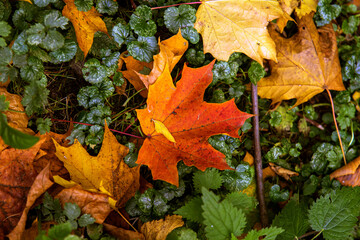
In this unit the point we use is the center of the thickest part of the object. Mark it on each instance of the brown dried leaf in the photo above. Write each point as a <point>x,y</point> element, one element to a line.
<point>40,186</point>
<point>348,175</point>
<point>159,229</point>
<point>283,172</point>
<point>123,234</point>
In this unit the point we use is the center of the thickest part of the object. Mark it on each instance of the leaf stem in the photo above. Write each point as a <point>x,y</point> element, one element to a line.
<point>174,5</point>
<point>258,161</point>
<point>317,234</point>
<point>336,126</point>
<point>88,124</point>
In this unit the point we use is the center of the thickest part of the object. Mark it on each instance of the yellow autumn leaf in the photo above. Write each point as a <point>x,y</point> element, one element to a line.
<point>229,26</point>
<point>86,24</point>
<point>162,129</point>
<point>159,229</point>
<point>106,173</point>
<point>306,7</point>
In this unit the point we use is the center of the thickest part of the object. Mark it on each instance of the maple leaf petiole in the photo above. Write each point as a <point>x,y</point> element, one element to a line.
<point>174,5</point>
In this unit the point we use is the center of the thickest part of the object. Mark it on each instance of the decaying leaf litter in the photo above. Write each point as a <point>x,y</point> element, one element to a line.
<point>176,122</point>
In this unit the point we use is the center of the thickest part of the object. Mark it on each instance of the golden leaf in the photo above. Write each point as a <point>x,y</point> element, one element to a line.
<point>308,63</point>
<point>229,26</point>
<point>105,173</point>
<point>306,7</point>
<point>86,24</point>
<point>162,129</point>
<point>159,229</point>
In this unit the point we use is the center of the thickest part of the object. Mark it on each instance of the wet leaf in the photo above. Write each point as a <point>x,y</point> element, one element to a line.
<point>159,229</point>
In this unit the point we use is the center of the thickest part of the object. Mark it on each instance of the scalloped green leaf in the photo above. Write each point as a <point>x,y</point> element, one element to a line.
<point>120,32</point>
<point>94,71</point>
<point>270,234</point>
<point>6,56</point>
<point>190,34</point>
<point>84,5</point>
<point>13,137</point>
<point>20,46</point>
<point>179,17</point>
<point>143,49</point>
<point>65,53</point>
<point>35,34</point>
<point>55,20</point>
<point>33,70</point>
<point>141,23</point>
<point>35,96</point>
<point>107,6</point>
<point>4,105</point>
<point>53,41</point>
<point>5,29</point>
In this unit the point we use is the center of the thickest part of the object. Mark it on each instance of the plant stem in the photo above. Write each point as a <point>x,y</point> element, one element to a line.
<point>258,161</point>
<point>88,124</point>
<point>174,5</point>
<point>336,126</point>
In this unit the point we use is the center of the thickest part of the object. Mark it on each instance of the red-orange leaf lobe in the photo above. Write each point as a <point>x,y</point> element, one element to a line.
<point>189,119</point>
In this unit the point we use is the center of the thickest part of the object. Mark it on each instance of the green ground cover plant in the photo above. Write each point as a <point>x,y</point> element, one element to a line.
<point>61,85</point>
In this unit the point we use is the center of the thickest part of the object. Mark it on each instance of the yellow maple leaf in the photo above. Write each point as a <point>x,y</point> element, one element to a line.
<point>106,173</point>
<point>306,7</point>
<point>86,24</point>
<point>229,26</point>
<point>308,63</point>
<point>159,229</point>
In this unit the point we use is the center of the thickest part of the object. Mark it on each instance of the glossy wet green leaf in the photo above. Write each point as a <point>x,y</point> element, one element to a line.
<point>20,46</point>
<point>190,34</point>
<point>54,19</point>
<point>194,57</point>
<point>326,12</point>
<point>141,23</point>
<point>6,56</point>
<point>33,70</point>
<point>277,194</point>
<point>143,49</point>
<point>350,25</point>
<point>239,179</point>
<point>35,34</point>
<point>36,96</point>
<point>83,5</point>
<point>109,7</point>
<point>94,71</point>
<point>86,220</point>
<point>179,17</point>
<point>5,29</point>
<point>256,72</point>
<point>65,53</point>
<point>53,41</point>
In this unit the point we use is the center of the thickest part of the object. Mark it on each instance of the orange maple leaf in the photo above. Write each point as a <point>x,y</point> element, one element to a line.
<point>181,112</point>
<point>86,24</point>
<point>308,63</point>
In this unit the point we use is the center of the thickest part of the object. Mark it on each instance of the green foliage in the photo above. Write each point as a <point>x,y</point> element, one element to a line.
<point>182,234</point>
<point>293,219</point>
<point>335,214</point>
<point>326,157</point>
<point>43,125</point>
<point>143,49</point>
<point>326,12</point>
<point>271,233</point>
<point>141,23</point>
<point>35,96</point>
<point>192,210</point>
<point>107,6</point>
<point>209,179</point>
<point>239,179</point>
<point>277,194</point>
<point>256,72</point>
<point>83,5</point>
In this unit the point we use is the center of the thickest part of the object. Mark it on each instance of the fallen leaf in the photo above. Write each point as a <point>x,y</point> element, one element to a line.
<point>86,24</point>
<point>268,172</point>
<point>133,67</point>
<point>283,172</point>
<point>348,175</point>
<point>249,159</point>
<point>189,119</point>
<point>123,234</point>
<point>16,119</point>
<point>17,176</point>
<point>41,184</point>
<point>159,229</point>
<point>95,204</point>
<point>306,7</point>
<point>106,173</point>
<point>229,26</point>
<point>171,50</point>
<point>308,63</point>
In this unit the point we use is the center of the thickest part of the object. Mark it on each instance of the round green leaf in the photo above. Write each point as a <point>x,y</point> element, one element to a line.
<point>181,17</point>
<point>5,29</point>
<point>107,6</point>
<point>6,55</point>
<point>120,33</point>
<point>65,53</point>
<point>53,41</point>
<point>35,34</point>
<point>55,20</point>
<point>20,46</point>
<point>72,210</point>
<point>143,49</point>
<point>190,34</point>
<point>83,5</point>
<point>85,220</point>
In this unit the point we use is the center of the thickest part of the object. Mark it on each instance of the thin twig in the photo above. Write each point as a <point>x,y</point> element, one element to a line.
<point>316,124</point>
<point>88,124</point>
<point>258,162</point>
<point>174,5</point>
<point>307,234</point>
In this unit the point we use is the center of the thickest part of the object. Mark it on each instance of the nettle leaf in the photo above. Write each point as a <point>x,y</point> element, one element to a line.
<point>53,41</point>
<point>6,56</point>
<point>107,6</point>
<point>271,233</point>
<point>33,70</point>
<point>192,210</point>
<point>5,29</point>
<point>94,71</point>
<point>141,23</point>
<point>35,96</point>
<point>293,219</point>
<point>179,17</point>
<point>120,32</point>
<point>242,201</point>
<point>4,105</point>
<point>326,12</point>
<point>190,34</point>
<point>84,5</point>
<point>19,45</point>
<point>210,179</point>
<point>336,214</point>
<point>13,137</point>
<point>35,34</point>
<point>221,219</point>
<point>55,20</point>
<point>143,49</point>
<point>65,53</point>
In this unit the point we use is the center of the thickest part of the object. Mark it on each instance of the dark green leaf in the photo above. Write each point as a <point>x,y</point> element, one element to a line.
<point>5,29</point>
<point>141,23</point>
<point>43,3</point>
<point>43,125</point>
<point>72,210</point>
<point>179,17</point>
<point>35,97</point>
<point>60,231</point>
<point>2,42</point>
<point>55,20</point>
<point>182,234</point>
<point>6,56</point>
<point>85,220</point>
<point>350,25</point>
<point>39,53</point>
<point>35,34</point>
<point>256,72</point>
<point>89,96</point>
<point>53,41</point>
<point>64,54</point>
<point>190,34</point>
<point>105,87</point>
<point>271,233</point>
<point>93,71</point>
<point>293,219</point>
<point>94,231</point>
<point>20,60</point>
<point>120,33</point>
<point>221,219</point>
<point>242,201</point>
<point>194,57</point>
<point>192,210</point>
<point>83,5</point>
<point>107,6</point>
<point>33,71</point>
<point>13,137</point>
<point>278,195</point>
<point>20,46</point>
<point>143,49</point>
<point>210,179</point>
<point>326,12</point>
<point>4,105</point>
<point>239,179</point>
